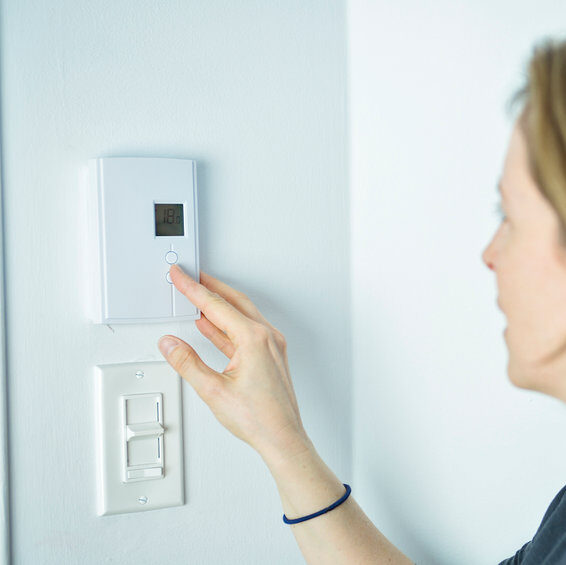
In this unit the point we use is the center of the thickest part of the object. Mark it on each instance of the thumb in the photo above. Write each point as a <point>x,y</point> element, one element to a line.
<point>184,359</point>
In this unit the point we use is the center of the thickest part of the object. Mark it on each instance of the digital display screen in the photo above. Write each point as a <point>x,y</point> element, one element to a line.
<point>169,219</point>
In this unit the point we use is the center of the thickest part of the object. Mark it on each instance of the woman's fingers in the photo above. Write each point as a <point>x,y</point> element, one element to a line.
<point>245,305</point>
<point>221,313</point>
<point>238,299</point>
<point>218,338</point>
<point>254,396</point>
<point>217,300</point>
<point>184,359</point>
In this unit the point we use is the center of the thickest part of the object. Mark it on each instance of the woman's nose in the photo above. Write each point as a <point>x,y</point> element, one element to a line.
<point>487,257</point>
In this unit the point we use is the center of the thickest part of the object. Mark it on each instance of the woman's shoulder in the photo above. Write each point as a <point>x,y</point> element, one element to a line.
<point>549,543</point>
<point>554,505</point>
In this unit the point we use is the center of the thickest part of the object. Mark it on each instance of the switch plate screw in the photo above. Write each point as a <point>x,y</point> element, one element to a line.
<point>142,499</point>
<point>140,374</point>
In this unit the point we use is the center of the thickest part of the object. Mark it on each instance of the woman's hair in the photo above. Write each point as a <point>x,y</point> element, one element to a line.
<point>543,120</point>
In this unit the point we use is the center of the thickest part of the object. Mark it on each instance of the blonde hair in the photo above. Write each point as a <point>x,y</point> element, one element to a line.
<point>543,121</point>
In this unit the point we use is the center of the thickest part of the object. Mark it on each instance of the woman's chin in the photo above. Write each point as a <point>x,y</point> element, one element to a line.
<point>516,370</point>
<point>516,377</point>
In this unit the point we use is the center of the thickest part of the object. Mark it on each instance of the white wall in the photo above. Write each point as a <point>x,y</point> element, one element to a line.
<point>447,452</point>
<point>451,461</point>
<point>256,93</point>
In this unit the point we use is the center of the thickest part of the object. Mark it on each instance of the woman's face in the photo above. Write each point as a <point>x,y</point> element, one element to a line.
<point>530,266</point>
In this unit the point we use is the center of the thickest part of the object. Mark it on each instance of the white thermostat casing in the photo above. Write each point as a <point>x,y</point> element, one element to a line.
<point>142,216</point>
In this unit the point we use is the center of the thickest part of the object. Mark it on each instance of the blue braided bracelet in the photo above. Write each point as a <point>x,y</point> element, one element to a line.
<point>328,509</point>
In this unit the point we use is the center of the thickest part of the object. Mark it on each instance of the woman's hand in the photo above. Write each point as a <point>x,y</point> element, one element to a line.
<point>253,397</point>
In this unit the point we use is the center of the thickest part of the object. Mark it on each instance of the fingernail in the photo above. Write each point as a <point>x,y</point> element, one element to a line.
<point>166,345</point>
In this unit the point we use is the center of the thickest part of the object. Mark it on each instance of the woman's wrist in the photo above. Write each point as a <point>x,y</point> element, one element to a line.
<point>305,483</point>
<point>288,450</point>
<point>343,535</point>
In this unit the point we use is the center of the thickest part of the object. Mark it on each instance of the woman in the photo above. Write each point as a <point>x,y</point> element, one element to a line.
<point>254,398</point>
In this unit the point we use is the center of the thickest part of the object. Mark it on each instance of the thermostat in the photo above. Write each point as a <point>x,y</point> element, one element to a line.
<point>142,219</point>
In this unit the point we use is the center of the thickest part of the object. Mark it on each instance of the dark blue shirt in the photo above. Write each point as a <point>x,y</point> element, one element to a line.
<point>548,546</point>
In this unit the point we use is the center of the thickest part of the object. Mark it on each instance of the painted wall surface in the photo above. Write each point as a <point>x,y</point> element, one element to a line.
<point>452,462</point>
<point>256,93</point>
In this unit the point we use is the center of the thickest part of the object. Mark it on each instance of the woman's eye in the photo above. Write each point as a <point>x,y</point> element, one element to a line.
<point>499,211</point>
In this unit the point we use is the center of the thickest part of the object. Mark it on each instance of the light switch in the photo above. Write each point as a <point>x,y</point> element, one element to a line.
<point>142,436</point>
<point>139,441</point>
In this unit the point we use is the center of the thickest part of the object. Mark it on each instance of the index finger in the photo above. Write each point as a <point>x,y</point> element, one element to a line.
<point>238,299</point>
<point>222,314</point>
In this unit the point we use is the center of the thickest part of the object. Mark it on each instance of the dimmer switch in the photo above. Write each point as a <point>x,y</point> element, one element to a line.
<point>142,437</point>
<point>139,442</point>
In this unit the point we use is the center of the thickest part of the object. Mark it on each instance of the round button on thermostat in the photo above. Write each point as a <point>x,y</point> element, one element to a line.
<point>168,277</point>
<point>171,257</point>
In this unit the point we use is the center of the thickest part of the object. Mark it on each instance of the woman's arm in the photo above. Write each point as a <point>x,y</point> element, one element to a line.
<point>254,398</point>
<point>343,536</point>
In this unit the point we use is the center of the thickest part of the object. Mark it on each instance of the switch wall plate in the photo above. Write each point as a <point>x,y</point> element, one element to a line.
<point>139,439</point>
